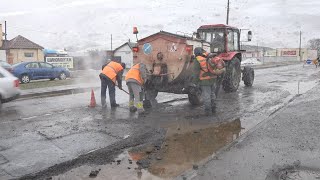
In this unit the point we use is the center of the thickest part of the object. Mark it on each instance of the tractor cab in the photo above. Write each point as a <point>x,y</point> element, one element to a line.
<point>222,38</point>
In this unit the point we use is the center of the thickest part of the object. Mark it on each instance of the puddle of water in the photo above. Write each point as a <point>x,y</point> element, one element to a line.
<point>184,146</point>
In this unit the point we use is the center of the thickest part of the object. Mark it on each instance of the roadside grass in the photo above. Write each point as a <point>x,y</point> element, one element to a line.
<point>46,83</point>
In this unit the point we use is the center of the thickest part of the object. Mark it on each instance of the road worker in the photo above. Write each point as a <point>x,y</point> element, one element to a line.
<point>110,77</point>
<point>218,42</point>
<point>205,75</point>
<point>135,79</point>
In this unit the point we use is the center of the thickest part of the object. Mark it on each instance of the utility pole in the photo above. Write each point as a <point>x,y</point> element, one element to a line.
<point>5,30</point>
<point>228,9</point>
<point>258,54</point>
<point>300,47</point>
<point>111,42</point>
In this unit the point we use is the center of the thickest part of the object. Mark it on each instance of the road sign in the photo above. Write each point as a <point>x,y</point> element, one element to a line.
<point>309,61</point>
<point>147,48</point>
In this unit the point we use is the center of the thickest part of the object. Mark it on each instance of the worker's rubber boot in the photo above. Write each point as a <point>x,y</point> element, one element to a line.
<point>141,111</point>
<point>213,106</point>
<point>114,105</point>
<point>103,103</point>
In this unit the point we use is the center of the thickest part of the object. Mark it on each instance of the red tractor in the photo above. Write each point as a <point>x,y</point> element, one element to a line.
<point>169,59</point>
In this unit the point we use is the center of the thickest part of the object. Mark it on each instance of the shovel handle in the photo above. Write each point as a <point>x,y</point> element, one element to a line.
<point>123,90</point>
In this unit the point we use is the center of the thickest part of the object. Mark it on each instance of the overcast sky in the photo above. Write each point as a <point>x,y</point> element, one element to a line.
<point>87,24</point>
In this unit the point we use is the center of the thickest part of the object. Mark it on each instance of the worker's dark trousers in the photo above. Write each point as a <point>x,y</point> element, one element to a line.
<point>105,83</point>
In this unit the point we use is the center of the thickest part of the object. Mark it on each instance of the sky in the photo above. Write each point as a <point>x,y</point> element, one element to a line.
<point>87,24</point>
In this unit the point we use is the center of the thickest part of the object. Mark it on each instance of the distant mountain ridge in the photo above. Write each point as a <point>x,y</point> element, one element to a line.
<point>82,25</point>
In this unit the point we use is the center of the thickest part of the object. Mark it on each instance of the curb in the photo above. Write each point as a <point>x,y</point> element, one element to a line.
<point>56,93</point>
<point>273,66</point>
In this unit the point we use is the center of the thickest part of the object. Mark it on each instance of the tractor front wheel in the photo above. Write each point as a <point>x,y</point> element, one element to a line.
<point>248,76</point>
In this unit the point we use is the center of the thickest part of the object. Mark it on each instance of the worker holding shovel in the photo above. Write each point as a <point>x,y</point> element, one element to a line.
<point>110,75</point>
<point>135,79</point>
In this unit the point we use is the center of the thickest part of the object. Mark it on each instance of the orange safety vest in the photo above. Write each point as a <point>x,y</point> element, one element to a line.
<point>111,70</point>
<point>203,68</point>
<point>134,73</point>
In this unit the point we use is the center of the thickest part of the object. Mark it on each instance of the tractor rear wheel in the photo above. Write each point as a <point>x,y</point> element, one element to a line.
<point>232,77</point>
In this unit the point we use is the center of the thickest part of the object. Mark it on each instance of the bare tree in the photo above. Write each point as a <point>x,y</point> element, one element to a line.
<point>314,44</point>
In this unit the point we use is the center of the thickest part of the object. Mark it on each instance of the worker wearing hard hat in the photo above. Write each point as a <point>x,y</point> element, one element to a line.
<point>205,75</point>
<point>111,76</point>
<point>135,79</point>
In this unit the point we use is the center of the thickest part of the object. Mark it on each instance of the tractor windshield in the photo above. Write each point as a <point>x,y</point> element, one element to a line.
<point>215,37</point>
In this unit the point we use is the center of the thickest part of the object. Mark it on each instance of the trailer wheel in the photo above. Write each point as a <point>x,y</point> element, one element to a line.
<point>232,78</point>
<point>150,95</point>
<point>248,76</point>
<point>195,98</point>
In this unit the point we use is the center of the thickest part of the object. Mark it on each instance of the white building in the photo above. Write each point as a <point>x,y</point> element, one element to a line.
<point>125,53</point>
<point>3,56</point>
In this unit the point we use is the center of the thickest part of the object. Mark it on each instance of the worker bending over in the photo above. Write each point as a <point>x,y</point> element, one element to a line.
<point>111,76</point>
<point>135,79</point>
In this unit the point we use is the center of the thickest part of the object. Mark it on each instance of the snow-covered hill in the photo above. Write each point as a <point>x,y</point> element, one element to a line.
<point>87,24</point>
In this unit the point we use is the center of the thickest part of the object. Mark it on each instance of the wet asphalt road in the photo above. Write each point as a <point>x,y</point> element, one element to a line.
<point>36,134</point>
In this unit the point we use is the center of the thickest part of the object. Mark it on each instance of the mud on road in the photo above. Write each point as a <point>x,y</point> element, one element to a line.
<point>174,136</point>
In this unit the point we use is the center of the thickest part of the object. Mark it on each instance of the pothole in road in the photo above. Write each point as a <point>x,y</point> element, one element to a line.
<point>184,147</point>
<point>299,175</point>
<point>294,173</point>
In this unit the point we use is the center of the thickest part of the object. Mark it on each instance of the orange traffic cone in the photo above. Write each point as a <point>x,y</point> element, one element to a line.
<point>93,100</point>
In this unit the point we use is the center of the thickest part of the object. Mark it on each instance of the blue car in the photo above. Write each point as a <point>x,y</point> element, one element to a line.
<point>27,71</point>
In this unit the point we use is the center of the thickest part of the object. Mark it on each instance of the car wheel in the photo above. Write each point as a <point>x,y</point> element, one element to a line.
<point>62,76</point>
<point>51,79</point>
<point>25,78</point>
